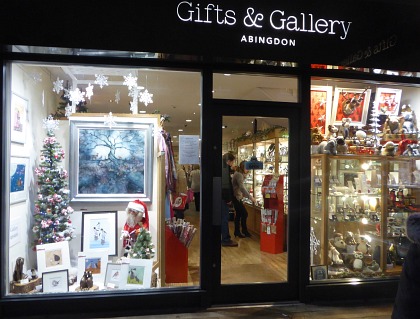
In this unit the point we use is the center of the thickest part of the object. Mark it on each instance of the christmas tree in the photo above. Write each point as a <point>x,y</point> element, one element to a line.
<point>143,248</point>
<point>52,210</point>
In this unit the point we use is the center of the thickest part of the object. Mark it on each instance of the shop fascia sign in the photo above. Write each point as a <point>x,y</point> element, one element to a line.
<point>278,20</point>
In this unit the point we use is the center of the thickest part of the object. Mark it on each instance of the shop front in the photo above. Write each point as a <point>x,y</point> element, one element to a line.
<point>101,140</point>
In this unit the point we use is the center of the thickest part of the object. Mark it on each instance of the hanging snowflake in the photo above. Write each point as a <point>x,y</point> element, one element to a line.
<point>50,124</point>
<point>109,120</point>
<point>102,80</point>
<point>117,96</point>
<point>37,77</point>
<point>134,91</point>
<point>132,106</point>
<point>58,85</point>
<point>146,97</point>
<point>130,81</point>
<point>75,96</point>
<point>89,91</point>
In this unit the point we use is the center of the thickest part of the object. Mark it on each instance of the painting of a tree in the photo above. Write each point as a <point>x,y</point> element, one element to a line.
<point>111,161</point>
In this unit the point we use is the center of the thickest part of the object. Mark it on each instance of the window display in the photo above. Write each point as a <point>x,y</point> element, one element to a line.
<point>364,184</point>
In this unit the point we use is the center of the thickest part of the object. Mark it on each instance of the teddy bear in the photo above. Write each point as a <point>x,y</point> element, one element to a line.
<point>392,125</point>
<point>363,245</point>
<point>388,149</point>
<point>342,147</point>
<point>316,136</point>
<point>408,122</point>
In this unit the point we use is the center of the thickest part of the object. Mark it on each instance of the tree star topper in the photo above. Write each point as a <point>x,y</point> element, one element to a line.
<point>50,124</point>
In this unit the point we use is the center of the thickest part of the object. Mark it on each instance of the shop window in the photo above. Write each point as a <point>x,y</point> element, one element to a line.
<point>89,202</point>
<point>255,87</point>
<point>364,177</point>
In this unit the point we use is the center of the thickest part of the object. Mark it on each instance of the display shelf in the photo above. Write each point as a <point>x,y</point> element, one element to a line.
<point>365,201</point>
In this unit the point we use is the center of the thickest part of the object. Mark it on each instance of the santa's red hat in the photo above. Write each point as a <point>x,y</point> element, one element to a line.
<point>141,207</point>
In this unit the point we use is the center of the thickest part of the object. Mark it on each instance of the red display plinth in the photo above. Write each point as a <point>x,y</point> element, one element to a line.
<point>176,259</point>
<point>272,215</point>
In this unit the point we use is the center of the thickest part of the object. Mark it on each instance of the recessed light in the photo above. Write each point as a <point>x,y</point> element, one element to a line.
<point>142,112</point>
<point>188,120</point>
<point>180,130</point>
<point>175,136</point>
<point>224,126</point>
<point>226,74</point>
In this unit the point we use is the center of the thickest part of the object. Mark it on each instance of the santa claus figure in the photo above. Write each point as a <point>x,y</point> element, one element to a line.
<point>137,217</point>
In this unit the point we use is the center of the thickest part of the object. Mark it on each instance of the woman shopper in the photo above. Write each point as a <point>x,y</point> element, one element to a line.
<point>240,192</point>
<point>195,185</point>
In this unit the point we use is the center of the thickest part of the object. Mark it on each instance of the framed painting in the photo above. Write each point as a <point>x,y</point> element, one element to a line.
<point>18,179</point>
<point>95,262</point>
<point>137,273</point>
<point>18,126</point>
<point>352,104</point>
<point>321,106</point>
<point>113,275</point>
<point>55,281</point>
<point>319,272</point>
<point>387,101</point>
<point>52,257</point>
<point>99,232</point>
<point>110,164</point>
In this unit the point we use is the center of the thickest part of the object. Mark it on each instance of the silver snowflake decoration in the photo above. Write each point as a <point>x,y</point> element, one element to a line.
<point>130,81</point>
<point>75,96</point>
<point>146,97</point>
<point>102,80</point>
<point>37,77</point>
<point>89,91</point>
<point>117,96</point>
<point>134,91</point>
<point>50,124</point>
<point>58,85</point>
<point>109,120</point>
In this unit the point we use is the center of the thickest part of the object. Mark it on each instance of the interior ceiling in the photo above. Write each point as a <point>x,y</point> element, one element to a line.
<point>175,93</point>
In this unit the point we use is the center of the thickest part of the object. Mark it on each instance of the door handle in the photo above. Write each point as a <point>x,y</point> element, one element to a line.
<point>217,201</point>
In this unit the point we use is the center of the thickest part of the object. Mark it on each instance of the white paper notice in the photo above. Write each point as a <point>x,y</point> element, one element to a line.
<point>189,149</point>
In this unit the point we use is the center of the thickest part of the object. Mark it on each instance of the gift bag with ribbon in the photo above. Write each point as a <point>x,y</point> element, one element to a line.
<point>179,200</point>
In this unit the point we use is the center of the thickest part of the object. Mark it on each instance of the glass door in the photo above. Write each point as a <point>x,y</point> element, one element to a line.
<point>253,244</point>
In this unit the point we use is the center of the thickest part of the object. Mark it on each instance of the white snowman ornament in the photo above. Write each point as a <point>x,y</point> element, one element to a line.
<point>358,260</point>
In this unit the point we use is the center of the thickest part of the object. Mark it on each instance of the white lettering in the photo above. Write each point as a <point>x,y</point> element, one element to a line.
<point>267,40</point>
<point>346,30</point>
<point>182,18</point>
<point>321,26</point>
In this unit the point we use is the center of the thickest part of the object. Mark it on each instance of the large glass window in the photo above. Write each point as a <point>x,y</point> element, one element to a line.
<point>94,168</point>
<point>364,177</point>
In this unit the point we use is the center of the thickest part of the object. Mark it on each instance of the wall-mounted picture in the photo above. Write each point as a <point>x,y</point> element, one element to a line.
<point>18,179</point>
<point>19,109</point>
<point>387,101</point>
<point>99,232</point>
<point>95,262</point>
<point>55,281</point>
<point>110,164</point>
<point>321,106</point>
<point>137,273</point>
<point>319,272</point>
<point>113,275</point>
<point>352,104</point>
<point>52,257</point>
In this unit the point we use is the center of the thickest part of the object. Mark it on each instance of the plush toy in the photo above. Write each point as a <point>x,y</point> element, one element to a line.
<point>332,131</point>
<point>363,245</point>
<point>137,217</point>
<point>316,136</point>
<point>334,256</point>
<point>328,147</point>
<point>358,260</point>
<point>392,125</point>
<point>408,120</point>
<point>339,243</point>
<point>341,146</point>
<point>345,127</point>
<point>388,149</point>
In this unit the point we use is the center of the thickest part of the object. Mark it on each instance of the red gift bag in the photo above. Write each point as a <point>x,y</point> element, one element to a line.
<point>190,195</point>
<point>179,201</point>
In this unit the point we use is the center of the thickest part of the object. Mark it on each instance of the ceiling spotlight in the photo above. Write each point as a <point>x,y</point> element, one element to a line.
<point>188,120</point>
<point>180,130</point>
<point>142,112</point>
<point>224,126</point>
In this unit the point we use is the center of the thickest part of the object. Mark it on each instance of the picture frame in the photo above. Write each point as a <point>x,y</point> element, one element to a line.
<point>350,103</point>
<point>111,164</point>
<point>113,275</point>
<point>96,262</point>
<point>99,232</point>
<point>136,274</point>
<point>319,272</point>
<point>18,113</point>
<point>55,281</point>
<point>53,257</point>
<point>387,101</point>
<point>19,177</point>
<point>321,106</point>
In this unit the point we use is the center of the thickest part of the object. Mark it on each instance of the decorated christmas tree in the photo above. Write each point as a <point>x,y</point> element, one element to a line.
<point>143,248</point>
<point>52,211</point>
